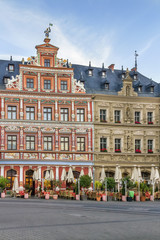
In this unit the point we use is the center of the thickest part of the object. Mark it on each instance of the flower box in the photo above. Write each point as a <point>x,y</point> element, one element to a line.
<point>150,151</point>
<point>138,151</point>
<point>103,121</point>
<point>117,150</point>
<point>136,122</point>
<point>118,122</point>
<point>103,150</point>
<point>150,122</point>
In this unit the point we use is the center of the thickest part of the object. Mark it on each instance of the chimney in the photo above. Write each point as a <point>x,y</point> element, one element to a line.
<point>10,58</point>
<point>111,67</point>
<point>22,60</point>
<point>134,69</point>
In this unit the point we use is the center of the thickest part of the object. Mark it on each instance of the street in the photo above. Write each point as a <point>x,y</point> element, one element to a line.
<point>34,219</point>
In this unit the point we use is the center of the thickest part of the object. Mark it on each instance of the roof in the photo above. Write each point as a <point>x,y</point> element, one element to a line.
<point>94,84</point>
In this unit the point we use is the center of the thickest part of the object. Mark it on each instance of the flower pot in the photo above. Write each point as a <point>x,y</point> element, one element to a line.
<point>46,196</point>
<point>77,197</point>
<point>98,198</point>
<point>143,198</point>
<point>2,195</point>
<point>26,196</point>
<point>104,197</point>
<point>151,197</point>
<point>55,196</point>
<point>123,198</point>
<point>137,198</point>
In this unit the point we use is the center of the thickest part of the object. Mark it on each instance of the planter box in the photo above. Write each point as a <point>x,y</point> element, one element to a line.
<point>3,195</point>
<point>46,196</point>
<point>55,197</point>
<point>77,197</point>
<point>123,198</point>
<point>26,196</point>
<point>104,197</point>
<point>151,197</point>
<point>137,199</point>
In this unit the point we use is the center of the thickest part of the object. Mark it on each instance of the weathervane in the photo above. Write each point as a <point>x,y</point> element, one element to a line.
<point>136,55</point>
<point>48,30</point>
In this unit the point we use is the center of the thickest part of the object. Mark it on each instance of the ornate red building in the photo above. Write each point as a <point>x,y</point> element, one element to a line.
<point>46,119</point>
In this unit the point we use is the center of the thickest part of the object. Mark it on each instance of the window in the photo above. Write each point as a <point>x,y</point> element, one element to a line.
<point>30,83</point>
<point>30,143</point>
<point>47,62</point>
<point>150,117</point>
<point>12,112</point>
<point>64,114</point>
<point>138,146</point>
<point>140,89</point>
<point>11,67</point>
<point>102,115</point>
<point>30,113</point>
<point>90,72</point>
<point>80,143</point>
<point>117,145</point>
<point>109,174</point>
<point>137,117</point>
<point>64,85</point>
<point>5,80</point>
<point>150,146</point>
<point>106,86</point>
<point>152,89</point>
<point>11,176</point>
<point>103,144</point>
<point>64,143</point>
<point>103,73</point>
<point>80,114</point>
<point>47,84</point>
<point>117,116</point>
<point>47,113</point>
<point>47,143</point>
<point>11,142</point>
<point>29,177</point>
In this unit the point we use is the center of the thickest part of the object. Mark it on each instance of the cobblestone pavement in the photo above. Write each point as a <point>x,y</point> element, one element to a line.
<point>34,219</point>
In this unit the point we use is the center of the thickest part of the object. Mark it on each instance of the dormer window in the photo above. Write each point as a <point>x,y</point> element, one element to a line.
<point>47,62</point>
<point>103,73</point>
<point>152,89</point>
<point>11,67</point>
<point>90,72</point>
<point>106,86</point>
<point>139,88</point>
<point>5,80</point>
<point>135,77</point>
<point>123,75</point>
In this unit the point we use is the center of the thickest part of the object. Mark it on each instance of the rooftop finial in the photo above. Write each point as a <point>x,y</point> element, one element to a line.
<point>102,65</point>
<point>89,63</point>
<point>48,30</point>
<point>136,55</point>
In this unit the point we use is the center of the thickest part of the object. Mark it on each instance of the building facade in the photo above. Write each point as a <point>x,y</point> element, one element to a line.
<point>46,119</point>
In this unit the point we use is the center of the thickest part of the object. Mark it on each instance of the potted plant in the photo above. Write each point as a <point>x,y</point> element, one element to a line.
<point>27,188</point>
<point>98,187</point>
<point>110,186</point>
<point>103,150</point>
<point>56,186</point>
<point>143,189</point>
<point>85,182</point>
<point>138,151</point>
<point>3,183</point>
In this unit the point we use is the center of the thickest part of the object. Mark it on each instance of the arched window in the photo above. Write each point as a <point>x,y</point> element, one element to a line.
<point>109,174</point>
<point>11,176</point>
<point>29,177</point>
<point>146,175</point>
<point>124,175</point>
<point>76,174</point>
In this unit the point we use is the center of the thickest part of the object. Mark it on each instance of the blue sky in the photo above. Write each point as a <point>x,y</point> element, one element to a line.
<point>99,31</point>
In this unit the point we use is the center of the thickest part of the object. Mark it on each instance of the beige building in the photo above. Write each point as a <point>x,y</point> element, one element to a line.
<point>126,130</point>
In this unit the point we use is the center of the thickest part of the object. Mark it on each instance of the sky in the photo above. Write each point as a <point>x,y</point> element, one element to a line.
<point>100,31</point>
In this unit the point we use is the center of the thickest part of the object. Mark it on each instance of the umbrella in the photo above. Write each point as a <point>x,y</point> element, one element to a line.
<point>103,175</point>
<point>152,177</point>
<point>63,176</point>
<point>118,175</point>
<point>47,176</point>
<point>90,172</point>
<point>15,185</point>
<point>134,177</point>
<point>82,172</point>
<point>139,174</point>
<point>51,175</point>
<point>70,176</point>
<point>35,175</point>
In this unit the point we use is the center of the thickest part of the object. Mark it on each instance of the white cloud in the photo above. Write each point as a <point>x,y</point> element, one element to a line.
<point>23,29</point>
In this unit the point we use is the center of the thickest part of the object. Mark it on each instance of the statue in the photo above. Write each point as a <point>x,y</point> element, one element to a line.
<point>48,30</point>
<point>128,112</point>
